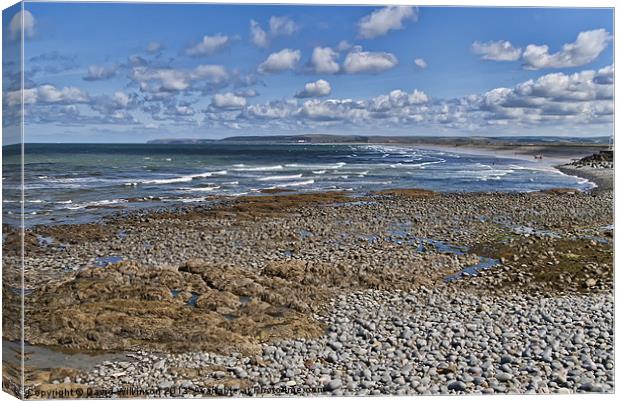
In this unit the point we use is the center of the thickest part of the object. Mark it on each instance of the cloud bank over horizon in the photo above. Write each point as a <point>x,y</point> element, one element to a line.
<point>278,70</point>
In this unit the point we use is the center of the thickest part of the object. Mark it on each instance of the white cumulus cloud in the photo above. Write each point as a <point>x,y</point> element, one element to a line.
<point>420,63</point>
<point>279,26</point>
<point>323,60</point>
<point>228,101</point>
<point>100,72</point>
<point>383,20</point>
<point>358,61</point>
<point>582,97</point>
<point>588,46</point>
<point>157,80</point>
<point>315,89</point>
<point>47,94</point>
<point>209,45</point>
<point>183,110</point>
<point>50,94</point>
<point>258,35</point>
<point>501,50</point>
<point>285,59</point>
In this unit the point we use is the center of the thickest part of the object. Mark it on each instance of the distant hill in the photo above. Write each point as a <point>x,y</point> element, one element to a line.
<point>182,141</point>
<point>421,140</point>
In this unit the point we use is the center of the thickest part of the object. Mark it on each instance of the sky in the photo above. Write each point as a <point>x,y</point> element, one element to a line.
<point>106,72</point>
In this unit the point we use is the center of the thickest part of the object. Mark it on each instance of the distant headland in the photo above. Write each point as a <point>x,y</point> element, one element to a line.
<point>412,140</point>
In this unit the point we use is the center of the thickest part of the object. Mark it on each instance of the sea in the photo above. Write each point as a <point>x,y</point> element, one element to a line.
<point>74,183</point>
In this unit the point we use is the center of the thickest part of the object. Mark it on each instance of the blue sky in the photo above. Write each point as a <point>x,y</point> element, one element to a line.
<point>104,72</point>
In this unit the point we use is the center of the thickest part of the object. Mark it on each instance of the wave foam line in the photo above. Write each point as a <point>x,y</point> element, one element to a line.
<point>183,178</point>
<point>332,166</point>
<point>257,168</point>
<point>280,177</point>
<point>295,184</point>
<point>201,189</point>
<point>417,165</point>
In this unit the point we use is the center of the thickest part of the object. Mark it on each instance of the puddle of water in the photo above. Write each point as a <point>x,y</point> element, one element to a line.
<point>191,301</point>
<point>46,358</point>
<point>121,234</point>
<point>244,299</point>
<point>524,230</point>
<point>402,231</point>
<point>600,240</point>
<point>44,240</point>
<point>69,269</point>
<point>440,246</point>
<point>305,234</point>
<point>483,264</point>
<point>108,260</point>
<point>18,291</point>
<point>371,238</point>
<point>398,233</point>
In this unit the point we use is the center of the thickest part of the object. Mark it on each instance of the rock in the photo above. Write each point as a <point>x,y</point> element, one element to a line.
<point>457,385</point>
<point>333,385</point>
<point>406,334</point>
<point>61,374</point>
<point>348,311</point>
<point>165,384</point>
<point>503,376</point>
<point>506,359</point>
<point>591,387</point>
<point>332,357</point>
<point>335,345</point>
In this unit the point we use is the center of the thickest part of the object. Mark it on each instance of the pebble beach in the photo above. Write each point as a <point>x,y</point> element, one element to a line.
<point>393,292</point>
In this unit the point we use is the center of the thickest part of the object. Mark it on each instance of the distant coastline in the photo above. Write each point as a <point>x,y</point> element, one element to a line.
<point>555,150</point>
<point>508,141</point>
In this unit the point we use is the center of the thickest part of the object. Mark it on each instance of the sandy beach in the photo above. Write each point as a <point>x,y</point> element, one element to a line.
<point>603,178</point>
<point>396,292</point>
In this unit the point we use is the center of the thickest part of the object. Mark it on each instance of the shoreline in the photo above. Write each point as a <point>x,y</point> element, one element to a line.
<point>301,290</point>
<point>282,275</point>
<point>556,162</point>
<point>552,155</point>
<point>603,178</point>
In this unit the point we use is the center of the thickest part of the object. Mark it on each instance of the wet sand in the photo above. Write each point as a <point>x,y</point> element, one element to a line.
<point>551,155</point>
<point>603,178</point>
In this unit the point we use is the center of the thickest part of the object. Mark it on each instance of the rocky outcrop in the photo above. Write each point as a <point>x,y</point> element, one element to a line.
<point>602,159</point>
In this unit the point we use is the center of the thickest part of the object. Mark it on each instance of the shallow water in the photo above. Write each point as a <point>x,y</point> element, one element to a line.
<point>484,264</point>
<point>45,357</point>
<point>108,260</point>
<point>68,183</point>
